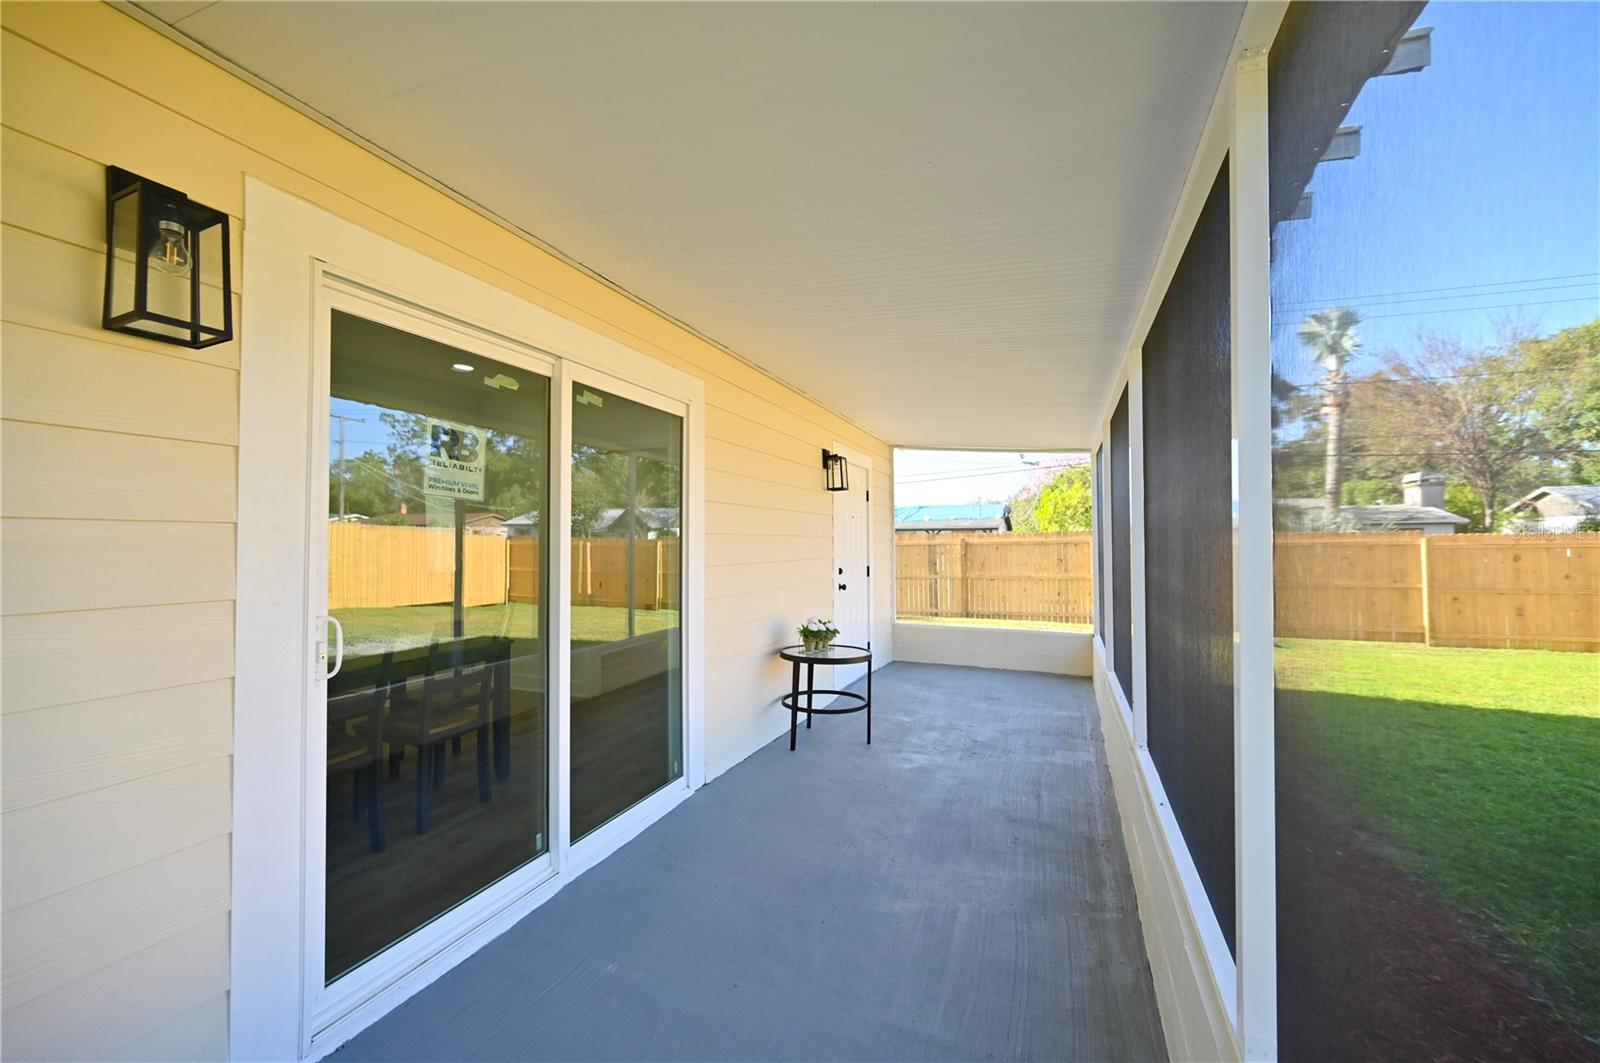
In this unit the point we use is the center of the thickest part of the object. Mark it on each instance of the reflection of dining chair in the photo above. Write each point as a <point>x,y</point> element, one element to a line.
<point>500,665</point>
<point>456,698</point>
<point>355,736</point>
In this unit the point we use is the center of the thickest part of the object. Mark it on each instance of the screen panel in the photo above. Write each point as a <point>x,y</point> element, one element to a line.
<point>1121,552</point>
<point>1188,551</point>
<point>1435,339</point>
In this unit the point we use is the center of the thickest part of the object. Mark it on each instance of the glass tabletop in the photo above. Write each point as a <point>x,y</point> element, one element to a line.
<point>837,653</point>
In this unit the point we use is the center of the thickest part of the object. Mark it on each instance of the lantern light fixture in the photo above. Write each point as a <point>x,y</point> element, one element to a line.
<point>836,469</point>
<point>168,271</point>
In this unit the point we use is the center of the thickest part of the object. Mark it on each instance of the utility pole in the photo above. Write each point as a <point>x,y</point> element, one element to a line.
<point>342,418</point>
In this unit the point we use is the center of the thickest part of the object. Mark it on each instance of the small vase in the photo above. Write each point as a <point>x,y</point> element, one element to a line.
<point>816,643</point>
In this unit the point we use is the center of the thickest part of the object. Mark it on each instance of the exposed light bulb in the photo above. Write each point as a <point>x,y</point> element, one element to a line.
<point>170,252</point>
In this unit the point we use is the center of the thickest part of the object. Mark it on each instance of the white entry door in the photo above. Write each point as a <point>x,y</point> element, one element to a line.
<point>852,562</point>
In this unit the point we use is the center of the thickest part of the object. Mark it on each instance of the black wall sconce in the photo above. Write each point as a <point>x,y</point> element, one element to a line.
<point>837,470</point>
<point>168,274</point>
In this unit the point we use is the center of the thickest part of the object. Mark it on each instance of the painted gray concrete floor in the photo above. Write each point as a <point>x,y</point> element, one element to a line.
<point>958,890</point>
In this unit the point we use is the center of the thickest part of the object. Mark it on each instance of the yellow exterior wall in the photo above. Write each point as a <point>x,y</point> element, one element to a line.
<point>120,497</point>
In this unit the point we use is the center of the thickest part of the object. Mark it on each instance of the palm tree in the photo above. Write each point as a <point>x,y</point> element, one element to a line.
<point>1331,335</point>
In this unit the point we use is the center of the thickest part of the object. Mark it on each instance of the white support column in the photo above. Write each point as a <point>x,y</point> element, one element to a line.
<point>1139,695</point>
<point>1103,559</point>
<point>1255,866</point>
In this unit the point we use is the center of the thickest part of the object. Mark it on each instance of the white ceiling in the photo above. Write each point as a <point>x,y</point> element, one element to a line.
<point>935,218</point>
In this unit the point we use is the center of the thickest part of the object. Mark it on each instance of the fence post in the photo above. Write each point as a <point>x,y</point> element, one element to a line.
<point>1427,605</point>
<point>960,583</point>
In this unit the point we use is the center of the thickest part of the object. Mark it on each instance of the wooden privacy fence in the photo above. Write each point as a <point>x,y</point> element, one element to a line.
<point>374,566</point>
<point>995,577</point>
<point>1520,591</point>
<point>1529,591</point>
<point>371,566</point>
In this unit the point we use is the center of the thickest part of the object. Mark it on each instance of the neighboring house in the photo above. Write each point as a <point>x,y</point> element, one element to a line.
<point>524,524</point>
<point>654,522</point>
<point>972,517</point>
<point>1559,508</point>
<point>1422,510</point>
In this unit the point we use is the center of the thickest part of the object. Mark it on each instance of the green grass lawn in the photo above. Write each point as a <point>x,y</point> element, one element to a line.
<point>1480,770</point>
<point>366,630</point>
<point>1024,625</point>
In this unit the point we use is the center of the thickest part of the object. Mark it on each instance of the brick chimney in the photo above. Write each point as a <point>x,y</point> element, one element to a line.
<point>1423,489</point>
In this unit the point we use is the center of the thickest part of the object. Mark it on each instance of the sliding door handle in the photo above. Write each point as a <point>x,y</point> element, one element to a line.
<point>338,646</point>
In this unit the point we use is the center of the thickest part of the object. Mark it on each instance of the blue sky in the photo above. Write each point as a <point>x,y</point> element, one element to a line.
<point>1476,195</point>
<point>951,477</point>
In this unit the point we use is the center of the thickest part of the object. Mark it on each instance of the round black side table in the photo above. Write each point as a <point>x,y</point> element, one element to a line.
<point>834,654</point>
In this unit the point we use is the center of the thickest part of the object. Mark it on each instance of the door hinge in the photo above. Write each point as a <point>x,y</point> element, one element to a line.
<point>869,571</point>
<point>869,496</point>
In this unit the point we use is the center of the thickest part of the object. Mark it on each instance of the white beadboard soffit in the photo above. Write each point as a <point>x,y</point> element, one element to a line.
<point>937,219</point>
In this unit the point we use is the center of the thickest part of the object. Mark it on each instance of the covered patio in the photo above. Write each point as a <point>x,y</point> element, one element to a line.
<point>429,427</point>
<point>957,890</point>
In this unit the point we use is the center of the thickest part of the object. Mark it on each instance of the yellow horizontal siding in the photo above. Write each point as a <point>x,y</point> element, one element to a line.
<point>61,565</point>
<point>59,472</point>
<point>59,379</point>
<point>135,998</point>
<point>67,936</point>
<point>63,750</point>
<point>66,843</point>
<point>120,493</point>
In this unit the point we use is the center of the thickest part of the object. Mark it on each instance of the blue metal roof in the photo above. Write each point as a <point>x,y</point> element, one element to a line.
<point>969,511</point>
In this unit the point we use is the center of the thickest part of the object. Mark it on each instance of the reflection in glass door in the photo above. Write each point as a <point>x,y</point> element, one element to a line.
<point>627,658</point>
<point>437,767</point>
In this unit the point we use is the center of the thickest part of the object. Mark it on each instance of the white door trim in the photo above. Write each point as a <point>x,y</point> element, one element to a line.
<point>860,465</point>
<point>291,249</point>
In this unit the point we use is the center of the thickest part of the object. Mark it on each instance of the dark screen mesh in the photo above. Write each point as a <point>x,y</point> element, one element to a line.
<point>1189,551</point>
<point>1121,579</point>
<point>1435,177</point>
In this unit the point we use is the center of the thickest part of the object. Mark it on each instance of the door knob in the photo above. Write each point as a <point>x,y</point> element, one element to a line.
<point>841,586</point>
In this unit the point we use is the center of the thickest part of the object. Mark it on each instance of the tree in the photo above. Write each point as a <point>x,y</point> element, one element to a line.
<point>1564,371</point>
<point>371,488</point>
<point>1370,492</point>
<point>1331,336</point>
<point>1461,412</point>
<point>1464,501</point>
<point>1063,503</point>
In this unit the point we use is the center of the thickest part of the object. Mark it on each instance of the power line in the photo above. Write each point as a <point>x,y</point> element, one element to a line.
<point>1464,309</point>
<point>969,475</point>
<point>993,470</point>
<point>1441,298</point>
<point>1419,379</point>
<point>1449,288</point>
<point>1281,454</point>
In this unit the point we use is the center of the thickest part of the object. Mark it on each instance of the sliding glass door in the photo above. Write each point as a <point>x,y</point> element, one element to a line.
<point>491,511</point>
<point>627,653</point>
<point>437,766</point>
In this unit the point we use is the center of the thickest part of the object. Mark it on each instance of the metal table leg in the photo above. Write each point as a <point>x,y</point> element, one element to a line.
<point>811,687</point>
<point>794,703</point>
